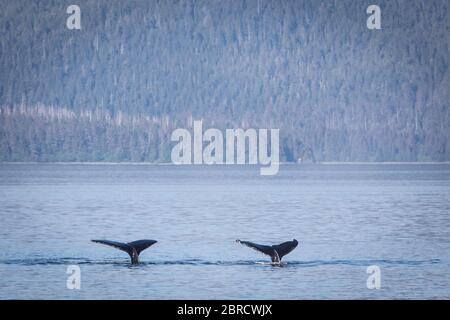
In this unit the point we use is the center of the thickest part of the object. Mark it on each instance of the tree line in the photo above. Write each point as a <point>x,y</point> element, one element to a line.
<point>336,90</point>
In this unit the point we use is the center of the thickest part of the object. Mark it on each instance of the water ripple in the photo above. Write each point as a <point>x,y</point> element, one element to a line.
<point>198,262</point>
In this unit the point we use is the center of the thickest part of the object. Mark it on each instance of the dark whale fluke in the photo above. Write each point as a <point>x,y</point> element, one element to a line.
<point>275,252</point>
<point>132,248</point>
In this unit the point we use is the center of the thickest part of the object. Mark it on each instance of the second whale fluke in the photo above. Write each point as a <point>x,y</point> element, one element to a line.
<point>275,252</point>
<point>132,248</point>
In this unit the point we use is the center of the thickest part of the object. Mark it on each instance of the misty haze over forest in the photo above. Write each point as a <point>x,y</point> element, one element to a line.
<point>116,89</point>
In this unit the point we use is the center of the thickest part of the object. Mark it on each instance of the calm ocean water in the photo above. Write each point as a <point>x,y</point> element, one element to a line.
<point>346,218</point>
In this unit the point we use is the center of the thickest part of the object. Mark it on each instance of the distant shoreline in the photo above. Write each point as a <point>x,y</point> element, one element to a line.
<point>172,164</point>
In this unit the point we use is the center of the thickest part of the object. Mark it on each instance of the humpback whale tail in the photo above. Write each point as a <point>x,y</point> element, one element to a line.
<point>132,248</point>
<point>275,252</point>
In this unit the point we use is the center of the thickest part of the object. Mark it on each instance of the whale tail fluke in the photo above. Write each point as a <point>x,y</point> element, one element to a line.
<point>132,248</point>
<point>275,252</point>
<point>285,247</point>
<point>141,245</point>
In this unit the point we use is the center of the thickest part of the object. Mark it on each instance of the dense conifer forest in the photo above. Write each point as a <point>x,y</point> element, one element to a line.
<point>117,88</point>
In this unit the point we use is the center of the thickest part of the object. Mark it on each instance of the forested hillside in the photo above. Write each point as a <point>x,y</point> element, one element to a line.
<point>115,90</point>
